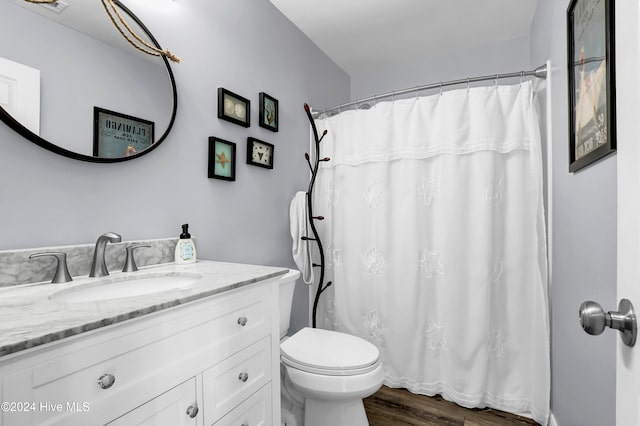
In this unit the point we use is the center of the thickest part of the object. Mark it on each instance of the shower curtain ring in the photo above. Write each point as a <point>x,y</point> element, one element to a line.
<point>440,88</point>
<point>497,77</point>
<point>468,81</point>
<point>521,77</point>
<point>393,95</point>
<point>417,92</point>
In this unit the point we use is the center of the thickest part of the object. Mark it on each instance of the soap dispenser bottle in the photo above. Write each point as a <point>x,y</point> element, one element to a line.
<point>185,249</point>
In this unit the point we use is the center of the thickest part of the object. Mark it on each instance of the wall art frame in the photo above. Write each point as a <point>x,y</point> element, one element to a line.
<point>118,135</point>
<point>591,72</point>
<point>260,153</point>
<point>222,159</point>
<point>268,114</point>
<point>234,108</point>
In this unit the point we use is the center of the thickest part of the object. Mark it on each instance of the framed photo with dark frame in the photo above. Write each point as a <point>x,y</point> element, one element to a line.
<point>222,159</point>
<point>259,153</point>
<point>268,107</point>
<point>118,135</point>
<point>591,66</point>
<point>234,108</point>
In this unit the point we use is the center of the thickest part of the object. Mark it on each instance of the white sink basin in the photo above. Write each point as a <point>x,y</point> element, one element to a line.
<point>127,286</point>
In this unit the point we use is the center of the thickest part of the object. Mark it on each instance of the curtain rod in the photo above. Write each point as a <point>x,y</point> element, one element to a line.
<point>540,72</point>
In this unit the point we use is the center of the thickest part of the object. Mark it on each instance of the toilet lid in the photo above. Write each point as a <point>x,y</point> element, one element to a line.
<point>329,352</point>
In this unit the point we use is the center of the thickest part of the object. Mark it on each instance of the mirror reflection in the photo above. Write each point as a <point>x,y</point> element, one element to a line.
<point>98,95</point>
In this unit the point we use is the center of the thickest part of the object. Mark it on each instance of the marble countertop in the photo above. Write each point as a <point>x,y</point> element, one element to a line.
<point>33,314</point>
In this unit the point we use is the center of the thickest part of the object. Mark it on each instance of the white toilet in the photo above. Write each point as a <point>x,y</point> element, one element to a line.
<point>326,371</point>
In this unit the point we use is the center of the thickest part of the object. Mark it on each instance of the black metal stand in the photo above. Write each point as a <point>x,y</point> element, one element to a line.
<point>314,172</point>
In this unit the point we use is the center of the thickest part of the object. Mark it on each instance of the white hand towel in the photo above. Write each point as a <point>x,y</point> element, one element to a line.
<point>300,228</point>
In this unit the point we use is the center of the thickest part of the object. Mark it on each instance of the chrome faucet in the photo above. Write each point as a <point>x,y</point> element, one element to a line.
<point>98,266</point>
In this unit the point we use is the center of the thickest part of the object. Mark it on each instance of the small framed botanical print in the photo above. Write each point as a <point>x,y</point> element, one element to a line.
<point>222,159</point>
<point>259,153</point>
<point>234,108</point>
<point>268,112</point>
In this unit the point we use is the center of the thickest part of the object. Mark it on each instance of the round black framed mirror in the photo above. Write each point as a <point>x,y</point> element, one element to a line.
<point>86,106</point>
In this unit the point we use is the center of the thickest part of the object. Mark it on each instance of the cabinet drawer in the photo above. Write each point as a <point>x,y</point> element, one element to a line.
<point>255,411</point>
<point>232,320</point>
<point>243,320</point>
<point>228,383</point>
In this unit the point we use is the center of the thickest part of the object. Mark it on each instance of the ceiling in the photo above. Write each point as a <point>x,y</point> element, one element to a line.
<point>360,34</point>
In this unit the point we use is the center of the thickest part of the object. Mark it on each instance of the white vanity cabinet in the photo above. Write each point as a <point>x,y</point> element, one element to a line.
<point>207,362</point>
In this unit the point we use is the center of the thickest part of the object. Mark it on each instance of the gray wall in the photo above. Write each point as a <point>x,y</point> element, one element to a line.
<point>246,46</point>
<point>505,56</point>
<point>584,250</point>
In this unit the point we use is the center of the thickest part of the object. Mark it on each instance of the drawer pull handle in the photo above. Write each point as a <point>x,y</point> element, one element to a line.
<point>106,381</point>
<point>242,321</point>
<point>192,410</point>
<point>243,377</point>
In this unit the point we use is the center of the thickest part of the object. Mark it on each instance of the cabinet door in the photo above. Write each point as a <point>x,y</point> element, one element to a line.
<point>176,407</point>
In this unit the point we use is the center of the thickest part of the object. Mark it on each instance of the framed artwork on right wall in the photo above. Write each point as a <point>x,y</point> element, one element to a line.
<point>591,68</point>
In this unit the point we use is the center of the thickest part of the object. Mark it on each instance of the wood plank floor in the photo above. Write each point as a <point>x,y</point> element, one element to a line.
<point>399,407</point>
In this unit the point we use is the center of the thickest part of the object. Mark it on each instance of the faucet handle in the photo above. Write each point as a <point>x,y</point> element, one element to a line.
<point>62,272</point>
<point>130,262</point>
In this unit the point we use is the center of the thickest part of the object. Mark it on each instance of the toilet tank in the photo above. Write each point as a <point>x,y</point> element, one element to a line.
<point>287,286</point>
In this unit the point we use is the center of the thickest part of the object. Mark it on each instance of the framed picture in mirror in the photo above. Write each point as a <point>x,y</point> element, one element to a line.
<point>591,67</point>
<point>120,135</point>
<point>268,112</point>
<point>222,159</point>
<point>234,108</point>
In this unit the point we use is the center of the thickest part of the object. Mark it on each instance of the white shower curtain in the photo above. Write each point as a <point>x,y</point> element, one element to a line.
<point>435,243</point>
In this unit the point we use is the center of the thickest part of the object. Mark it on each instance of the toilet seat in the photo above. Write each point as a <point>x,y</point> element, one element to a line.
<point>329,353</point>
